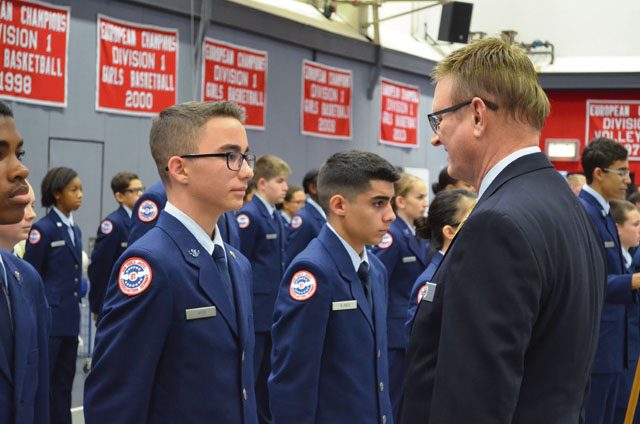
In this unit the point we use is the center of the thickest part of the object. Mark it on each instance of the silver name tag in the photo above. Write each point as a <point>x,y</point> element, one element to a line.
<point>124,244</point>
<point>408,259</point>
<point>609,244</point>
<point>198,313</point>
<point>57,243</point>
<point>431,291</point>
<point>272,236</point>
<point>344,305</point>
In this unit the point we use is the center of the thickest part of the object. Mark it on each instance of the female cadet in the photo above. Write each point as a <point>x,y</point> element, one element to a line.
<point>12,236</point>
<point>54,248</point>
<point>405,257</point>
<point>293,202</point>
<point>447,182</point>
<point>446,213</point>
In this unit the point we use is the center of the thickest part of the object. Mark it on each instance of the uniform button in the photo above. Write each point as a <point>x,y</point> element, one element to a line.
<point>75,279</point>
<point>75,266</point>
<point>75,294</point>
<point>378,353</point>
<point>381,386</point>
<point>242,358</point>
<point>244,393</point>
<point>384,419</point>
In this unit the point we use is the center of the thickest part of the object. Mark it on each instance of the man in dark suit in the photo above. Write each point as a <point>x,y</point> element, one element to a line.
<point>607,170</point>
<point>506,331</point>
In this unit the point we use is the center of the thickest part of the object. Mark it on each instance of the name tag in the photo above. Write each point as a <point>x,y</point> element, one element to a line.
<point>57,243</point>
<point>272,236</point>
<point>124,244</point>
<point>431,291</point>
<point>344,305</point>
<point>408,259</point>
<point>199,313</point>
<point>609,244</point>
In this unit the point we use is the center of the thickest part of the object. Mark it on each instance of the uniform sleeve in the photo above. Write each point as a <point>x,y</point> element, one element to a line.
<point>298,336</point>
<point>138,226</point>
<point>36,248</point>
<point>103,257</point>
<point>390,255</point>
<point>490,301</point>
<point>619,289</point>
<point>129,341</point>
<point>249,231</point>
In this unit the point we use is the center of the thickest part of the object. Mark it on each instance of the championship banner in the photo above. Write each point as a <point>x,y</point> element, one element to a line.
<point>399,115</point>
<point>34,40</point>
<point>615,119</point>
<point>326,101</point>
<point>236,73</point>
<point>136,67</point>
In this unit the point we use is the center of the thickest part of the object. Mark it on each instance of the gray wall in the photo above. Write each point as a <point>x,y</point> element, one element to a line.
<point>124,139</point>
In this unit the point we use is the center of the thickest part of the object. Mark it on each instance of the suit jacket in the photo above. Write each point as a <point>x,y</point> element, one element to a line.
<point>111,241</point>
<point>262,242</point>
<point>59,262</point>
<point>147,210</point>
<point>329,365</point>
<point>615,348</point>
<point>24,388</point>
<point>405,257</point>
<point>305,226</point>
<point>510,331</point>
<point>156,360</point>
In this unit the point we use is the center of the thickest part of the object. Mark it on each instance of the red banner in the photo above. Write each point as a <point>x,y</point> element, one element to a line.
<point>238,74</point>
<point>34,38</point>
<point>615,119</point>
<point>399,115</point>
<point>326,101</point>
<point>136,68</point>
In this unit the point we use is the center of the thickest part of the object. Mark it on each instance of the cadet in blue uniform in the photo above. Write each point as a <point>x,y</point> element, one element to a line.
<point>262,241</point>
<point>307,223</point>
<point>404,256</point>
<point>607,170</point>
<point>112,236</point>
<point>446,212</point>
<point>54,249</point>
<point>329,357</point>
<point>292,203</point>
<point>24,314</point>
<point>175,339</point>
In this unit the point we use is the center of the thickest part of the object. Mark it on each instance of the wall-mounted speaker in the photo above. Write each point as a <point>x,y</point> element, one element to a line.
<point>455,22</point>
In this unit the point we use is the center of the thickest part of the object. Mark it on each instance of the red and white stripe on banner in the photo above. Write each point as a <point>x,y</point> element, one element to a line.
<point>326,101</point>
<point>236,73</point>
<point>399,106</point>
<point>34,41</point>
<point>136,67</point>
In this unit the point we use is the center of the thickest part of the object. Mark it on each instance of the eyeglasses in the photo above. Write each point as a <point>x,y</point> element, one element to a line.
<point>234,159</point>
<point>621,172</point>
<point>436,117</point>
<point>136,190</point>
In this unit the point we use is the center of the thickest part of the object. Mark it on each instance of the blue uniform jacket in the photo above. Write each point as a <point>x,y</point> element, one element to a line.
<point>154,364</point>
<point>262,242</point>
<point>613,341</point>
<point>329,365</point>
<point>24,390</point>
<point>305,226</point>
<point>146,211</point>
<point>425,277</point>
<point>229,230</point>
<point>59,262</point>
<point>111,241</point>
<point>405,257</point>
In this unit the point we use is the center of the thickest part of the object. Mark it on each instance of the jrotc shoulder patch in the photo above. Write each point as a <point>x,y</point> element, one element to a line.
<point>422,293</point>
<point>106,227</point>
<point>303,285</point>
<point>148,211</point>
<point>296,221</point>
<point>243,220</point>
<point>135,276</point>
<point>34,236</point>
<point>387,241</point>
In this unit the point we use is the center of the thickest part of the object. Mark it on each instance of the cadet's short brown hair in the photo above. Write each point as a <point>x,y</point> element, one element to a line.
<point>269,167</point>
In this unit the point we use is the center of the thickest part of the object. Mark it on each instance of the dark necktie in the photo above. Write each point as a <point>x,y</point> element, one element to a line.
<point>363,273</point>
<point>6,320</point>
<point>223,269</point>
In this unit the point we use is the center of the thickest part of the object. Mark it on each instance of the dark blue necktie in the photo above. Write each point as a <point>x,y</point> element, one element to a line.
<point>363,274</point>
<point>223,269</point>
<point>6,320</point>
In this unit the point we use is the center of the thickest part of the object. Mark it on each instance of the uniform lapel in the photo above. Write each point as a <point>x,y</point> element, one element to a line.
<point>265,213</point>
<point>64,234</point>
<point>238,293</point>
<point>124,216</point>
<point>379,302</point>
<point>4,363</point>
<point>412,242</point>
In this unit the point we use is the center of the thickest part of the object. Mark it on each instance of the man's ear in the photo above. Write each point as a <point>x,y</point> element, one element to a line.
<point>448,232</point>
<point>177,170</point>
<point>400,202</point>
<point>119,197</point>
<point>338,205</point>
<point>597,174</point>
<point>480,115</point>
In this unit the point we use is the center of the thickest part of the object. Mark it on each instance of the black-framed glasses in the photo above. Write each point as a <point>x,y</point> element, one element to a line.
<point>135,190</point>
<point>621,172</point>
<point>436,117</point>
<point>234,159</point>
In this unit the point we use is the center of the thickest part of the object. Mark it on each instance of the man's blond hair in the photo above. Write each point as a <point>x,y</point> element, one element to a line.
<point>269,167</point>
<point>499,72</point>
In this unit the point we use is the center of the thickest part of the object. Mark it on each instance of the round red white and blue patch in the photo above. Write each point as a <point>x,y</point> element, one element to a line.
<point>34,236</point>
<point>148,211</point>
<point>135,276</point>
<point>422,292</point>
<point>296,221</point>
<point>303,285</point>
<point>243,220</point>
<point>106,227</point>
<point>387,241</point>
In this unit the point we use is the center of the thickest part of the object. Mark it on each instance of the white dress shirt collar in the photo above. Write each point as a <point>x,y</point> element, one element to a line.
<point>502,164</point>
